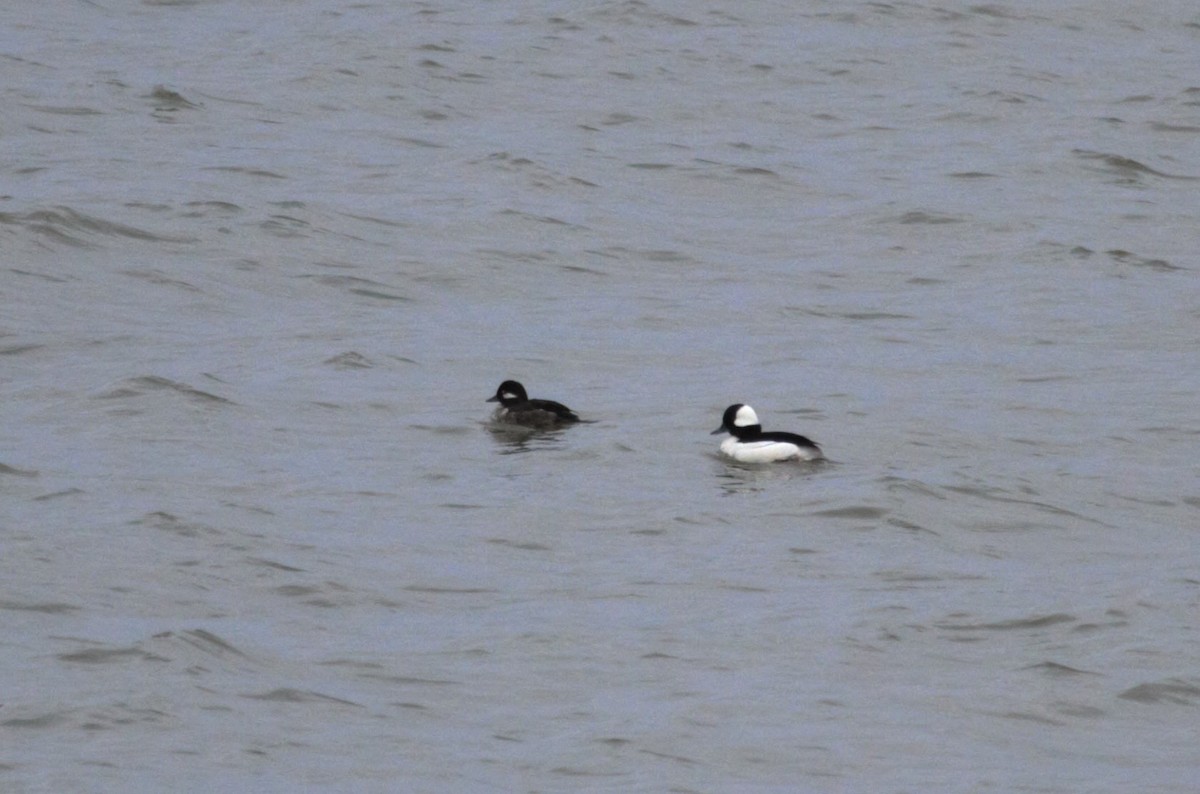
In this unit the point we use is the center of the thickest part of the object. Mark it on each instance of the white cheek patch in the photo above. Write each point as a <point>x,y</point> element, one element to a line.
<point>745,417</point>
<point>508,396</point>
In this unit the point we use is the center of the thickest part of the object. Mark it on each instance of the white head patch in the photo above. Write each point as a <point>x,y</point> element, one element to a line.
<point>507,396</point>
<point>745,417</point>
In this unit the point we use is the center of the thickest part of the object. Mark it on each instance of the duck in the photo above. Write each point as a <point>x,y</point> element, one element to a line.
<point>516,408</point>
<point>750,444</point>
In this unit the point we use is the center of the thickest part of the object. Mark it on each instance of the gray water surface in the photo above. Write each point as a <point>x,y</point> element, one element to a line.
<point>261,264</point>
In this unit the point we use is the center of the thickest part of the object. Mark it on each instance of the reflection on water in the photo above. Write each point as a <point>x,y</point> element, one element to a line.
<point>735,477</point>
<point>516,439</point>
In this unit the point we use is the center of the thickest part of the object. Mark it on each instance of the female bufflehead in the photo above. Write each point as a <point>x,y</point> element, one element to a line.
<point>751,445</point>
<point>516,408</point>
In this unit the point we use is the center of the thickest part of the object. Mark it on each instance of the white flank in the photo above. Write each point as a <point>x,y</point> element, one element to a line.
<point>767,451</point>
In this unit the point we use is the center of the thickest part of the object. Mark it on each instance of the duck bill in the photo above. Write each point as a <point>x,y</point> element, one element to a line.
<point>718,431</point>
<point>492,399</point>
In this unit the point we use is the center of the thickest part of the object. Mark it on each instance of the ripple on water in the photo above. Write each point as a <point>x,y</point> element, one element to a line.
<point>1016,624</point>
<point>291,695</point>
<point>1174,691</point>
<point>154,384</point>
<point>66,226</point>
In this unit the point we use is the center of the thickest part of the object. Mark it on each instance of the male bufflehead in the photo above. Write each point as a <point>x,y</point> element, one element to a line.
<point>516,408</point>
<point>751,445</point>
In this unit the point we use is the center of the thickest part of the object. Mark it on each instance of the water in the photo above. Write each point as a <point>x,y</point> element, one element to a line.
<point>263,264</point>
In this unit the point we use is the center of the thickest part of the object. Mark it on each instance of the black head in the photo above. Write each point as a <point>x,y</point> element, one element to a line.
<point>509,393</point>
<point>739,420</point>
